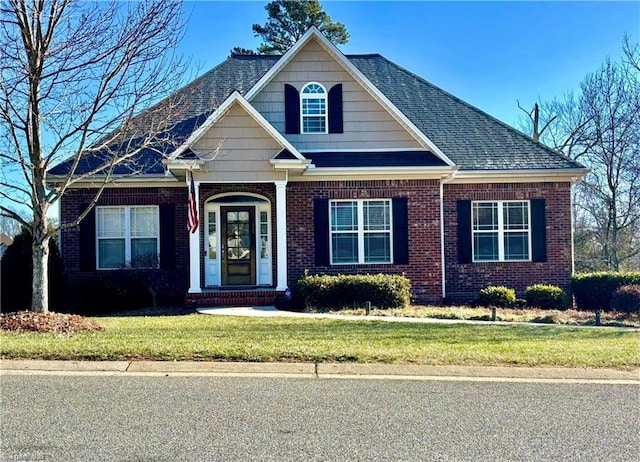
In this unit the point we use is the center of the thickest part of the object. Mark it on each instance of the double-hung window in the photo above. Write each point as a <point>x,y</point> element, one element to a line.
<point>127,236</point>
<point>501,231</point>
<point>360,231</point>
<point>313,105</point>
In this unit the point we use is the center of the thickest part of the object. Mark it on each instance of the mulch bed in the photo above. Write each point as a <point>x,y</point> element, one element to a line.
<point>58,323</point>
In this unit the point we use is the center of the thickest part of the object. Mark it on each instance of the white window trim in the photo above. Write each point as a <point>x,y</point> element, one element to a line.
<point>127,235</point>
<point>501,231</point>
<point>326,108</point>
<point>361,232</point>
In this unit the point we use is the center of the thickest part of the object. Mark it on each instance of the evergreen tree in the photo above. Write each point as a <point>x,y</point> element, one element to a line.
<point>289,20</point>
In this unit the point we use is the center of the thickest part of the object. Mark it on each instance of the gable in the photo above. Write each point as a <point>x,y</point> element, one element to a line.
<point>237,148</point>
<point>366,123</point>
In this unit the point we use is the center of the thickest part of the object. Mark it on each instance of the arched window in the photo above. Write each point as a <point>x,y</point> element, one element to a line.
<point>313,108</point>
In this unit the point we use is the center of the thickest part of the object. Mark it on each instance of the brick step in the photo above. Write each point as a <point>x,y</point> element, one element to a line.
<point>258,297</point>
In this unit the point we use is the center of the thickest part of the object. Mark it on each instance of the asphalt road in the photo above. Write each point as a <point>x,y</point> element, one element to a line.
<point>156,418</point>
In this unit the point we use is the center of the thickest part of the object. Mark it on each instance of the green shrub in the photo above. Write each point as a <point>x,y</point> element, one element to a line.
<point>626,299</point>
<point>347,290</point>
<point>16,275</point>
<point>593,291</point>
<point>547,297</point>
<point>129,289</point>
<point>497,296</point>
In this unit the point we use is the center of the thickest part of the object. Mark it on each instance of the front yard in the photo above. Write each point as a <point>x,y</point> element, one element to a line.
<point>220,338</point>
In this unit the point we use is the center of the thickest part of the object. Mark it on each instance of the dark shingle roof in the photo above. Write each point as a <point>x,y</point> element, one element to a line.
<point>375,159</point>
<point>472,139</point>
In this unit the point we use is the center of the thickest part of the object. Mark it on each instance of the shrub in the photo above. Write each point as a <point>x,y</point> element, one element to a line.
<point>16,274</point>
<point>593,291</point>
<point>547,297</point>
<point>497,296</point>
<point>129,289</point>
<point>340,291</point>
<point>626,299</point>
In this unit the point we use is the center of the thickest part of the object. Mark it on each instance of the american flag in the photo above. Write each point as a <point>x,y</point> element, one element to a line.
<point>192,214</point>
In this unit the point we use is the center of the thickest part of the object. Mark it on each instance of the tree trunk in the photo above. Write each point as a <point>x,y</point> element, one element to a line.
<point>40,286</point>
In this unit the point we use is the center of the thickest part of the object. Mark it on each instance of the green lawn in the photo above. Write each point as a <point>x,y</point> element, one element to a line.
<point>203,337</point>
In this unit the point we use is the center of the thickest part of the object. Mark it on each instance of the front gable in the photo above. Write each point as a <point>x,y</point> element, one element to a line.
<point>370,121</point>
<point>236,144</point>
<point>366,123</point>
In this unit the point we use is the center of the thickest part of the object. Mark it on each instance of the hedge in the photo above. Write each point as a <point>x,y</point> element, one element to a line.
<point>593,291</point>
<point>347,290</point>
<point>546,297</point>
<point>626,299</point>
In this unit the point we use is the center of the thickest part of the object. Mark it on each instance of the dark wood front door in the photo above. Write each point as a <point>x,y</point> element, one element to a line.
<point>238,246</point>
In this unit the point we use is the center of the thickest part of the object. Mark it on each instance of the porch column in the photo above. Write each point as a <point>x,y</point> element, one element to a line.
<point>194,249</point>
<point>281,239</point>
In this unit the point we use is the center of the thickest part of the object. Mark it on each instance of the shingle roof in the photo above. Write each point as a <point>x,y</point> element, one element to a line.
<point>471,138</point>
<point>375,159</point>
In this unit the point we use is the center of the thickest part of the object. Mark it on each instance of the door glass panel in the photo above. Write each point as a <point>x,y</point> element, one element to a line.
<point>238,236</point>
<point>212,239</point>
<point>264,235</point>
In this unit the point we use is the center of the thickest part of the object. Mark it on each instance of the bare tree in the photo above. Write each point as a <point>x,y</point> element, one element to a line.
<point>74,75</point>
<point>600,127</point>
<point>9,226</point>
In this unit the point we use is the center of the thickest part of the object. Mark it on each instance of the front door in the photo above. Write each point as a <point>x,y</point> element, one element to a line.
<point>238,246</point>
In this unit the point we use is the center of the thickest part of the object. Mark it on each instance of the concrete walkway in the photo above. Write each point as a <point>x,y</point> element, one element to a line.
<point>272,311</point>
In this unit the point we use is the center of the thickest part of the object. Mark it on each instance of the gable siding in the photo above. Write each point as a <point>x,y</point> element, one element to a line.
<point>244,150</point>
<point>367,125</point>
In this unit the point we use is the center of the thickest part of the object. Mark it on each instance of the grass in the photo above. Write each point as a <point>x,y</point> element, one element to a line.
<point>209,338</point>
<point>565,317</point>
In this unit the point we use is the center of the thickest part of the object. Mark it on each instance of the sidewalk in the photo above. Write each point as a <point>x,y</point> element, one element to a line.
<point>272,311</point>
<point>322,371</point>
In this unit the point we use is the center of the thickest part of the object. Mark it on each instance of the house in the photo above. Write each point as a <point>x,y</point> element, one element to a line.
<point>5,242</point>
<point>330,163</point>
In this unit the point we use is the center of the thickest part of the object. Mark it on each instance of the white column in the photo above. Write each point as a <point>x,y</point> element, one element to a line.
<point>281,240</point>
<point>194,249</point>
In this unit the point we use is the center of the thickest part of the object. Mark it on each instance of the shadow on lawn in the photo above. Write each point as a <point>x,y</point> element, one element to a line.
<point>157,311</point>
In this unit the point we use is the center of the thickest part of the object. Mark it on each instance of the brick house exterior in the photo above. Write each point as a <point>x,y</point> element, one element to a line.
<point>316,161</point>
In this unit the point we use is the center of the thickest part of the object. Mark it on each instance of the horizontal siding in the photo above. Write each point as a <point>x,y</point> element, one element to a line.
<point>243,147</point>
<point>367,124</point>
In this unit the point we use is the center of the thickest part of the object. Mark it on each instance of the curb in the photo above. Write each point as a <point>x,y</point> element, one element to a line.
<point>321,370</point>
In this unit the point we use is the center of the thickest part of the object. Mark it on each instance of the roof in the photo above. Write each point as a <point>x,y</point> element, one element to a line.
<point>5,239</point>
<point>471,138</point>
<point>375,159</point>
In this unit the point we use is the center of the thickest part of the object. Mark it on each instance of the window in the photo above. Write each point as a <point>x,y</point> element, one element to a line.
<point>127,236</point>
<point>360,231</point>
<point>501,231</point>
<point>313,108</point>
<point>264,234</point>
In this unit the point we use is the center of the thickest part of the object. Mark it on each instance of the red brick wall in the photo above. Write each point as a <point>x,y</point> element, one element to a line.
<point>70,208</point>
<point>424,268</point>
<point>464,280</point>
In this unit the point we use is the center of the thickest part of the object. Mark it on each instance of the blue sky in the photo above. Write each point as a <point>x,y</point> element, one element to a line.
<point>490,54</point>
